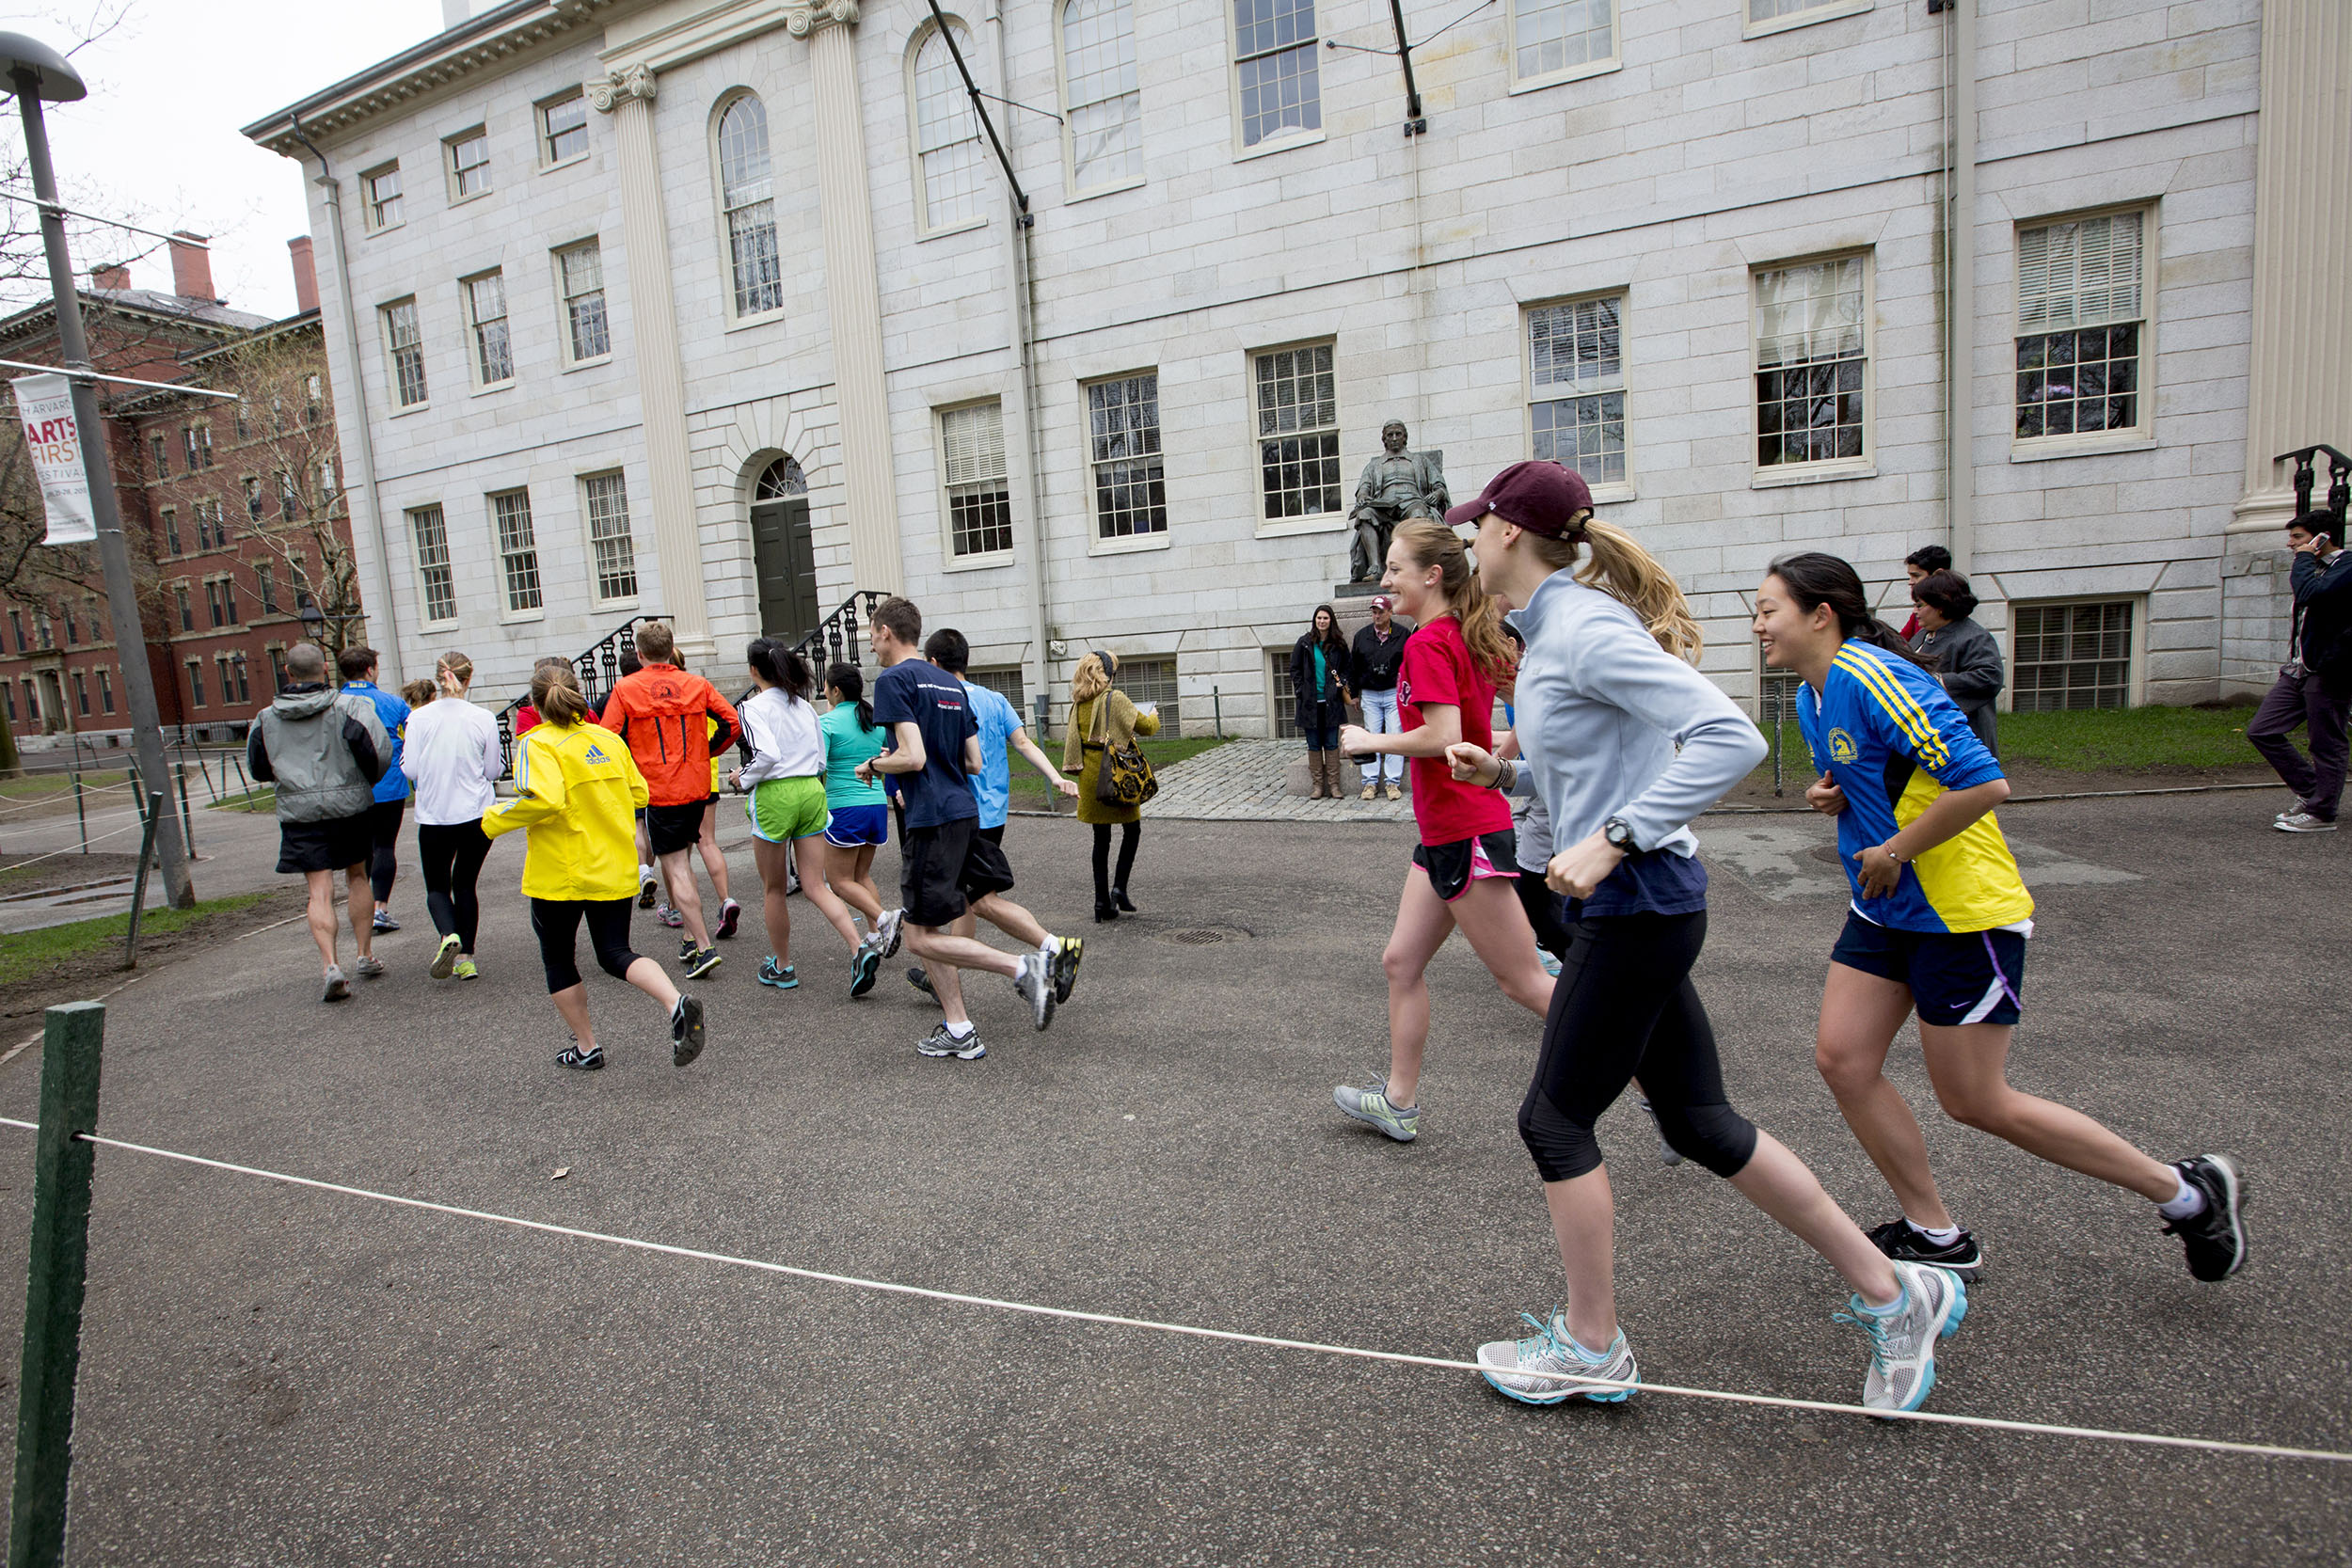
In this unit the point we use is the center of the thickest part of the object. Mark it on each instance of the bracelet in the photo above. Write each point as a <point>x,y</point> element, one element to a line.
<point>1506,774</point>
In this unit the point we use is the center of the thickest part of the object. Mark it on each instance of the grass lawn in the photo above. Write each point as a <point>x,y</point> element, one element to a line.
<point>48,786</point>
<point>1163,750</point>
<point>24,954</point>
<point>2097,740</point>
<point>1031,794</point>
<point>259,800</point>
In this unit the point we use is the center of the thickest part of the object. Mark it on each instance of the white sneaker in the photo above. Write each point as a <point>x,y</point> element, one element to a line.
<point>886,931</point>
<point>1528,1370</point>
<point>1903,1342</point>
<point>2303,822</point>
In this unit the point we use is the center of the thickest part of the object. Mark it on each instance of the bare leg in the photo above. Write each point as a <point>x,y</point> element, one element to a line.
<point>1422,924</point>
<point>647,976</point>
<point>677,874</point>
<point>572,1004</point>
<point>774,905</point>
<point>1967,1063</point>
<point>1778,1182</point>
<point>362,905</point>
<point>1497,929</point>
<point>320,908</point>
<point>1010,918</point>
<point>1859,1015</point>
<point>939,947</point>
<point>1583,1222</point>
<point>850,874</point>
<point>713,861</point>
<point>817,859</point>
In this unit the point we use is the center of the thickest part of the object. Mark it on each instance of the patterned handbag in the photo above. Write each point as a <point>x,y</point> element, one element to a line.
<point>1125,776</point>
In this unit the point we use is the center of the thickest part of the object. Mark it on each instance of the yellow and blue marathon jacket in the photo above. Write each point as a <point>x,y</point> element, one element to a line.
<point>577,790</point>
<point>1887,735</point>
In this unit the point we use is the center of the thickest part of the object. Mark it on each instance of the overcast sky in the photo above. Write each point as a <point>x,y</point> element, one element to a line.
<point>156,141</point>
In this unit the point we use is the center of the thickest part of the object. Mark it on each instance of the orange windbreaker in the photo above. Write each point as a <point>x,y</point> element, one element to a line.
<point>665,714</point>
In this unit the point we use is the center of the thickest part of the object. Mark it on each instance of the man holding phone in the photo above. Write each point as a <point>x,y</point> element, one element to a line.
<point>2314,686</point>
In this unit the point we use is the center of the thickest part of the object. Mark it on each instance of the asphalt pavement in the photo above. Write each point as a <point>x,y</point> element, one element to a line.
<point>279,1376</point>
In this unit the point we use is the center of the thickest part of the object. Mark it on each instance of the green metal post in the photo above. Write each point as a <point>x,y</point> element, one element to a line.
<point>54,1283</point>
<point>138,884</point>
<point>187,829</point>
<point>81,808</point>
<point>1216,696</point>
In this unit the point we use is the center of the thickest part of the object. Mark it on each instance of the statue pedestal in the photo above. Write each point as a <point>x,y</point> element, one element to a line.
<point>1296,783</point>
<point>1354,591</point>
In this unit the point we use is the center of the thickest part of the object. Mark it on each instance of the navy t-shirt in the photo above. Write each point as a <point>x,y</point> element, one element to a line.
<point>919,692</point>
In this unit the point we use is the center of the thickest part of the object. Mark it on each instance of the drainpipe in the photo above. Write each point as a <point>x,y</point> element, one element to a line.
<point>1960,275</point>
<point>1022,300</point>
<point>379,582</point>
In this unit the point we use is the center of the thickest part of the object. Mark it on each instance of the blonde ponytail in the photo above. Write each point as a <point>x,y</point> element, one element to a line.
<point>1619,567</point>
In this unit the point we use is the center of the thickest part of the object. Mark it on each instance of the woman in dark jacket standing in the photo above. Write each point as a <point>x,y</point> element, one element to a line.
<point>1963,654</point>
<point>1319,678</point>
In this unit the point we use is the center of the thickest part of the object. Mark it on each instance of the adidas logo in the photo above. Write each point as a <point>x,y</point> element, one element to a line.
<point>595,753</point>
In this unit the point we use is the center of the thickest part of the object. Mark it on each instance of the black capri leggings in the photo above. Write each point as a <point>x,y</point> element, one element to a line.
<point>452,853</point>
<point>557,920</point>
<point>384,817</point>
<point>1543,912</point>
<point>1624,1005</point>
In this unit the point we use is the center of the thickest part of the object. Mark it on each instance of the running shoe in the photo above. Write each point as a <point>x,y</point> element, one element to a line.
<point>464,969</point>
<point>1035,984</point>
<point>1526,1369</point>
<point>1371,1104</point>
<point>1667,1154</point>
<point>2214,1235</point>
<point>1552,965</point>
<point>939,1042</point>
<point>336,987</point>
<point>445,957</point>
<point>2295,822</point>
<point>669,917</point>
<point>685,1030</point>
<point>782,977</point>
<point>865,964</point>
<point>730,916</point>
<point>1066,954</point>
<point>648,889</point>
<point>887,931</point>
<point>384,921</point>
<point>1902,1342</point>
<point>1900,1240</point>
<point>368,966</point>
<point>587,1061</point>
<point>703,963</point>
<point>685,949</point>
<point>920,979</point>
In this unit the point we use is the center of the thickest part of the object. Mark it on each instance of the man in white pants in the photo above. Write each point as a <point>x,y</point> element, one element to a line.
<point>1372,666</point>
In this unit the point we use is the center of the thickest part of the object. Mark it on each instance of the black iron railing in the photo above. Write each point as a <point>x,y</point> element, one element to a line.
<point>839,638</point>
<point>597,669</point>
<point>2339,481</point>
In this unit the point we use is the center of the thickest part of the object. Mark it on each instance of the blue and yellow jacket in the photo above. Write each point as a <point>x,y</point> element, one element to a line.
<point>1887,735</point>
<point>577,790</point>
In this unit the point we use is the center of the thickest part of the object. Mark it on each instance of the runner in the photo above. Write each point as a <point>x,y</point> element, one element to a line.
<point>706,842</point>
<point>786,778</point>
<point>576,787</point>
<point>662,712</point>
<point>357,668</point>
<point>857,820</point>
<point>945,866</point>
<point>1938,923</point>
<point>1627,742</point>
<point>1462,871</point>
<point>1001,734</point>
<point>451,755</point>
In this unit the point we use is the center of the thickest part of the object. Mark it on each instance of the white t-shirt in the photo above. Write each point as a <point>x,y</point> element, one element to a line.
<point>451,755</point>
<point>783,736</point>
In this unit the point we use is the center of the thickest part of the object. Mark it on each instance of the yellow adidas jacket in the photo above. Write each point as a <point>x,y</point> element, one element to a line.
<point>578,791</point>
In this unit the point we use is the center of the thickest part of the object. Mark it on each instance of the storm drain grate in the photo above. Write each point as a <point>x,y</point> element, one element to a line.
<point>1199,936</point>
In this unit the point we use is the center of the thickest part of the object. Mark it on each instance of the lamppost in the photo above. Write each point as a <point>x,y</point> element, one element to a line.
<point>38,73</point>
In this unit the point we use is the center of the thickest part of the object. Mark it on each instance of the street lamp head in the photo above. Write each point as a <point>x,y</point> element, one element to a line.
<point>55,80</point>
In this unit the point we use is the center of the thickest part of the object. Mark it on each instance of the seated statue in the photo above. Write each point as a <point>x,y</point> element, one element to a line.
<point>1396,484</point>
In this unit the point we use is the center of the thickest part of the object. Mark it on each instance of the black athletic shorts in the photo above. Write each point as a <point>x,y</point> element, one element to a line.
<point>671,829</point>
<point>942,869</point>
<point>1453,866</point>
<point>334,845</point>
<point>995,835</point>
<point>1955,977</point>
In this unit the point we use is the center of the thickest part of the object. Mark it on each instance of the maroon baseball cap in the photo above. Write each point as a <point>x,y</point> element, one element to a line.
<point>1539,497</point>
<point>1381,601</point>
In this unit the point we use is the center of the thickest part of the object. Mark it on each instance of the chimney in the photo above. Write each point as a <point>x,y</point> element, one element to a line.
<point>306,274</point>
<point>114,275</point>
<point>191,267</point>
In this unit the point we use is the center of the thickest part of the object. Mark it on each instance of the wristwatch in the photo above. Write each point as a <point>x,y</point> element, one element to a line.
<point>1619,832</point>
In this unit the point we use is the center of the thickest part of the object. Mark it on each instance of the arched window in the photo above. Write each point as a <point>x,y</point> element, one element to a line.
<point>748,199</point>
<point>1098,51</point>
<point>782,480</point>
<point>946,138</point>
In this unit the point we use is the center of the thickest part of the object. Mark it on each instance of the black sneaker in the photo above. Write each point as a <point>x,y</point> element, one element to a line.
<point>685,949</point>
<point>702,963</point>
<point>587,1061</point>
<point>2214,1235</point>
<point>1902,1241</point>
<point>921,981</point>
<point>647,890</point>
<point>685,1030</point>
<point>1066,952</point>
<point>939,1042</point>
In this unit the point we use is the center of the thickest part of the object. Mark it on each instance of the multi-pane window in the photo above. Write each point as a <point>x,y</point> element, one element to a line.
<point>105,691</point>
<point>42,630</point>
<point>1152,680</point>
<point>2081,322</point>
<point>171,530</point>
<point>9,692</point>
<point>1274,55</point>
<point>253,497</point>
<point>946,136</point>
<point>440,589</point>
<point>212,601</point>
<point>485,313</point>
<point>313,398</point>
<point>979,501</point>
<point>380,197</point>
<point>1809,363</point>
<point>200,444</point>
<point>244,684</point>
<point>1005,683</point>
<point>1281,695</point>
<point>1298,432</point>
<point>748,198</point>
<point>580,278</point>
<point>1098,42</point>
<point>211,528</point>
<point>245,422</point>
<point>2070,656</point>
<point>277,667</point>
<point>330,483</point>
<point>289,495</point>
<point>468,163</point>
<point>81,692</point>
<point>1130,490</point>
<point>563,128</point>
<point>404,341</point>
<point>609,538</point>
<point>1551,36</point>
<point>1575,386</point>
<point>1772,10</point>
<point>72,626</point>
<point>196,682</point>
<point>518,551</point>
<point>220,667</point>
<point>16,624</point>
<point>187,610</point>
<point>265,580</point>
<point>163,454</point>
<point>228,601</point>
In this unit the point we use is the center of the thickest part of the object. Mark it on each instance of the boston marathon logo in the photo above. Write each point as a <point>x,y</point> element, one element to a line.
<point>1841,747</point>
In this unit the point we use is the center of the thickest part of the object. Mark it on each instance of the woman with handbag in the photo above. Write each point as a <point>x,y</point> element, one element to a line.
<point>1319,663</point>
<point>1101,744</point>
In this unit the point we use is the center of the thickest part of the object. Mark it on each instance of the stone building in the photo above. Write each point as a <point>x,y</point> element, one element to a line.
<point>723,309</point>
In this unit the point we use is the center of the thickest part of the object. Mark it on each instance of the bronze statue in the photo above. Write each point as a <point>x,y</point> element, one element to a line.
<point>1397,484</point>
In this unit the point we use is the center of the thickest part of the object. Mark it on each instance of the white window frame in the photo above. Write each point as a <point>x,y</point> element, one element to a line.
<point>565,327</point>
<point>383,314</point>
<point>1865,465</point>
<point>542,136</point>
<point>424,567</point>
<point>1334,521</point>
<point>1819,10</point>
<point>1072,187</point>
<point>588,534</point>
<point>372,204</point>
<point>1603,489</point>
<point>456,174</point>
<point>2136,680</point>
<point>979,559</point>
<point>1599,66</point>
<point>517,549</point>
<point>924,227</point>
<point>1283,140</point>
<point>2031,449</point>
<point>477,357</point>
<point>1122,543</point>
<point>730,289</point>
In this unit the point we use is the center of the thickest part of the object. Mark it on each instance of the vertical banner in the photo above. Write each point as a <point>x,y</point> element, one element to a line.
<point>45,404</point>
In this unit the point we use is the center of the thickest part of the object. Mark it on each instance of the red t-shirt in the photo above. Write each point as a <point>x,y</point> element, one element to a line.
<point>1438,668</point>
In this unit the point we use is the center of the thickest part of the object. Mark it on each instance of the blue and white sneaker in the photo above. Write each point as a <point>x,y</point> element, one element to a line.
<point>782,977</point>
<point>865,964</point>
<point>886,931</point>
<point>1548,1367</point>
<point>1903,1340</point>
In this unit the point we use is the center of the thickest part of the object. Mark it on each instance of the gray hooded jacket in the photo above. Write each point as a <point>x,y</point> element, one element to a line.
<point>324,749</point>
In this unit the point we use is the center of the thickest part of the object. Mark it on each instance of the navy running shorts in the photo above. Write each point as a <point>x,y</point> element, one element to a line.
<point>1955,977</point>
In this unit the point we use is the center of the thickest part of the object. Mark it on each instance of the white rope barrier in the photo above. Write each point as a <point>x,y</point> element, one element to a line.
<point>76,849</point>
<point>2207,1445</point>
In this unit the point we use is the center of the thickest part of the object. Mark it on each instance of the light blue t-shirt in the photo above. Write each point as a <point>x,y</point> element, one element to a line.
<point>991,787</point>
